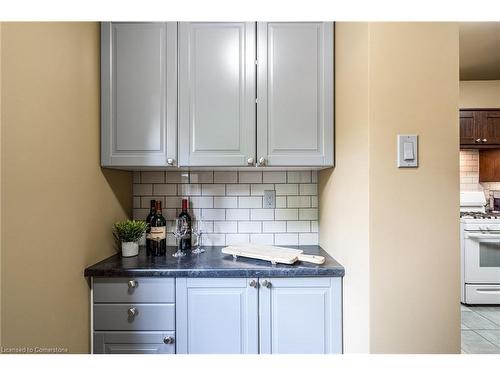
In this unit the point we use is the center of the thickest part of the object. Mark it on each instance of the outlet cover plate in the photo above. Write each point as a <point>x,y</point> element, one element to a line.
<point>269,199</point>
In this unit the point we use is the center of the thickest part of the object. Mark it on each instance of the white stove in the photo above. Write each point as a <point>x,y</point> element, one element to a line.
<point>480,250</point>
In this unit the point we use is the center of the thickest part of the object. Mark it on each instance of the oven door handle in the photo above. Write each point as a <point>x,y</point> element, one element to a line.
<point>485,236</point>
<point>488,291</point>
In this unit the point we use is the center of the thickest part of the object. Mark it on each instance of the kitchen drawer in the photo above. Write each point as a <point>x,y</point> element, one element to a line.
<point>134,342</point>
<point>482,294</point>
<point>134,290</point>
<point>146,317</point>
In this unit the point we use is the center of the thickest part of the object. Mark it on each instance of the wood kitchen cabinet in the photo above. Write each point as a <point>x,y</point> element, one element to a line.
<point>479,129</point>
<point>138,94</point>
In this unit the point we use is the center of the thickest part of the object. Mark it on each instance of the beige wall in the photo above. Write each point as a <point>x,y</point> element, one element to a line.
<point>58,205</point>
<point>479,94</point>
<point>344,219</point>
<point>405,81</point>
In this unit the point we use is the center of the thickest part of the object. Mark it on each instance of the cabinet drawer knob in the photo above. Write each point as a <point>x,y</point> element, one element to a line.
<point>262,160</point>
<point>168,340</point>
<point>250,161</point>
<point>253,284</point>
<point>170,161</point>
<point>132,284</point>
<point>266,284</point>
<point>478,140</point>
<point>485,140</point>
<point>132,312</point>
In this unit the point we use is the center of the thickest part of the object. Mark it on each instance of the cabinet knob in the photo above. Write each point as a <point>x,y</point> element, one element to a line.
<point>170,161</point>
<point>266,284</point>
<point>132,284</point>
<point>478,140</point>
<point>250,161</point>
<point>168,340</point>
<point>253,284</point>
<point>132,312</point>
<point>485,140</point>
<point>262,160</point>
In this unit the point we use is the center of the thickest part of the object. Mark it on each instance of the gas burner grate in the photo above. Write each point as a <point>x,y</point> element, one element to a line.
<point>480,215</point>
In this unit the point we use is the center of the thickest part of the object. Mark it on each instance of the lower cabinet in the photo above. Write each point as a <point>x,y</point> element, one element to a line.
<point>267,315</point>
<point>217,315</point>
<point>134,342</point>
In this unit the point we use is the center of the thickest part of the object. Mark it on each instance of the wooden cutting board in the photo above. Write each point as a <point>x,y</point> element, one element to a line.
<point>273,254</point>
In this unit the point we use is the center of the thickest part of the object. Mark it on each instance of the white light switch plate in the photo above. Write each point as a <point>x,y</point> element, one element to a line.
<point>407,151</point>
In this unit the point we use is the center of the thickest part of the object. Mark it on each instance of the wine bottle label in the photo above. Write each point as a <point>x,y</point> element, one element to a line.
<point>157,233</point>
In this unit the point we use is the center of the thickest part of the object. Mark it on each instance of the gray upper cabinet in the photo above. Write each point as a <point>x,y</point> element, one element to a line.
<point>217,93</point>
<point>295,93</point>
<point>138,94</point>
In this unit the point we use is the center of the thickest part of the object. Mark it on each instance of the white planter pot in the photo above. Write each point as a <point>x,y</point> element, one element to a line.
<point>130,249</point>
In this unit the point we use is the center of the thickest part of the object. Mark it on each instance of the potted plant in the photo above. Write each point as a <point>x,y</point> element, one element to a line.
<point>128,232</point>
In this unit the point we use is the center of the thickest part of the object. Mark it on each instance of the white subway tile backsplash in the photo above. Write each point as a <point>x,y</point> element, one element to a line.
<point>258,189</point>
<point>153,177</point>
<point>308,238</point>
<point>230,204</point>
<point>308,189</point>
<point>262,239</point>
<point>299,177</point>
<point>308,214</point>
<point>239,238</point>
<point>298,226</point>
<point>225,202</point>
<point>250,177</point>
<point>286,239</point>
<point>201,177</point>
<point>177,177</point>
<point>213,189</point>
<point>225,177</point>
<point>287,189</point>
<point>274,177</point>
<point>249,202</point>
<point>286,214</point>
<point>164,189</point>
<point>237,214</point>
<point>213,214</point>
<point>298,201</point>
<point>189,189</point>
<point>249,227</point>
<point>238,189</point>
<point>262,214</point>
<point>274,226</point>
<point>142,189</point>
<point>225,227</point>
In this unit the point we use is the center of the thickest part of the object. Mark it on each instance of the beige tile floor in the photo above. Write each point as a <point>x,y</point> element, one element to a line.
<point>480,329</point>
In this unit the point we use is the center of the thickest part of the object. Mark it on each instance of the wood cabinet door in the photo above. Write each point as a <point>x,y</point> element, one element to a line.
<point>295,93</point>
<point>134,342</point>
<point>300,315</point>
<point>469,127</point>
<point>490,127</point>
<point>216,93</point>
<point>216,316</point>
<point>138,93</point>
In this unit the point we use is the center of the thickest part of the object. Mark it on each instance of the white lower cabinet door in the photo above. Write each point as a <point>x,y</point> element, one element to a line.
<point>134,342</point>
<point>216,315</point>
<point>300,315</point>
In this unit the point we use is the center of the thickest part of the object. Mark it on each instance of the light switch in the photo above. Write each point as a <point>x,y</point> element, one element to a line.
<point>407,151</point>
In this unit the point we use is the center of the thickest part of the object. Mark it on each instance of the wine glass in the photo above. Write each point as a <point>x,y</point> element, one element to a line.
<point>198,231</point>
<point>180,231</point>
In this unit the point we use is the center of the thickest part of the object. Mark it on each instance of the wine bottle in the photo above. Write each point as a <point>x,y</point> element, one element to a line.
<point>185,241</point>
<point>158,232</point>
<point>152,211</point>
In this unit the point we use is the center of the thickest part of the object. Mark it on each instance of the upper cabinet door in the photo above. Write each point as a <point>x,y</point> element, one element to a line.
<point>138,94</point>
<point>216,93</point>
<point>469,127</point>
<point>295,93</point>
<point>490,124</point>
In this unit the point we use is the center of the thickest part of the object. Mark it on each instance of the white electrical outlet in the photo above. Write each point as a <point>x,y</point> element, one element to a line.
<point>269,199</point>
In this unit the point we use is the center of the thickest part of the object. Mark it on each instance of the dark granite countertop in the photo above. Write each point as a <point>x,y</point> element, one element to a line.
<point>212,263</point>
